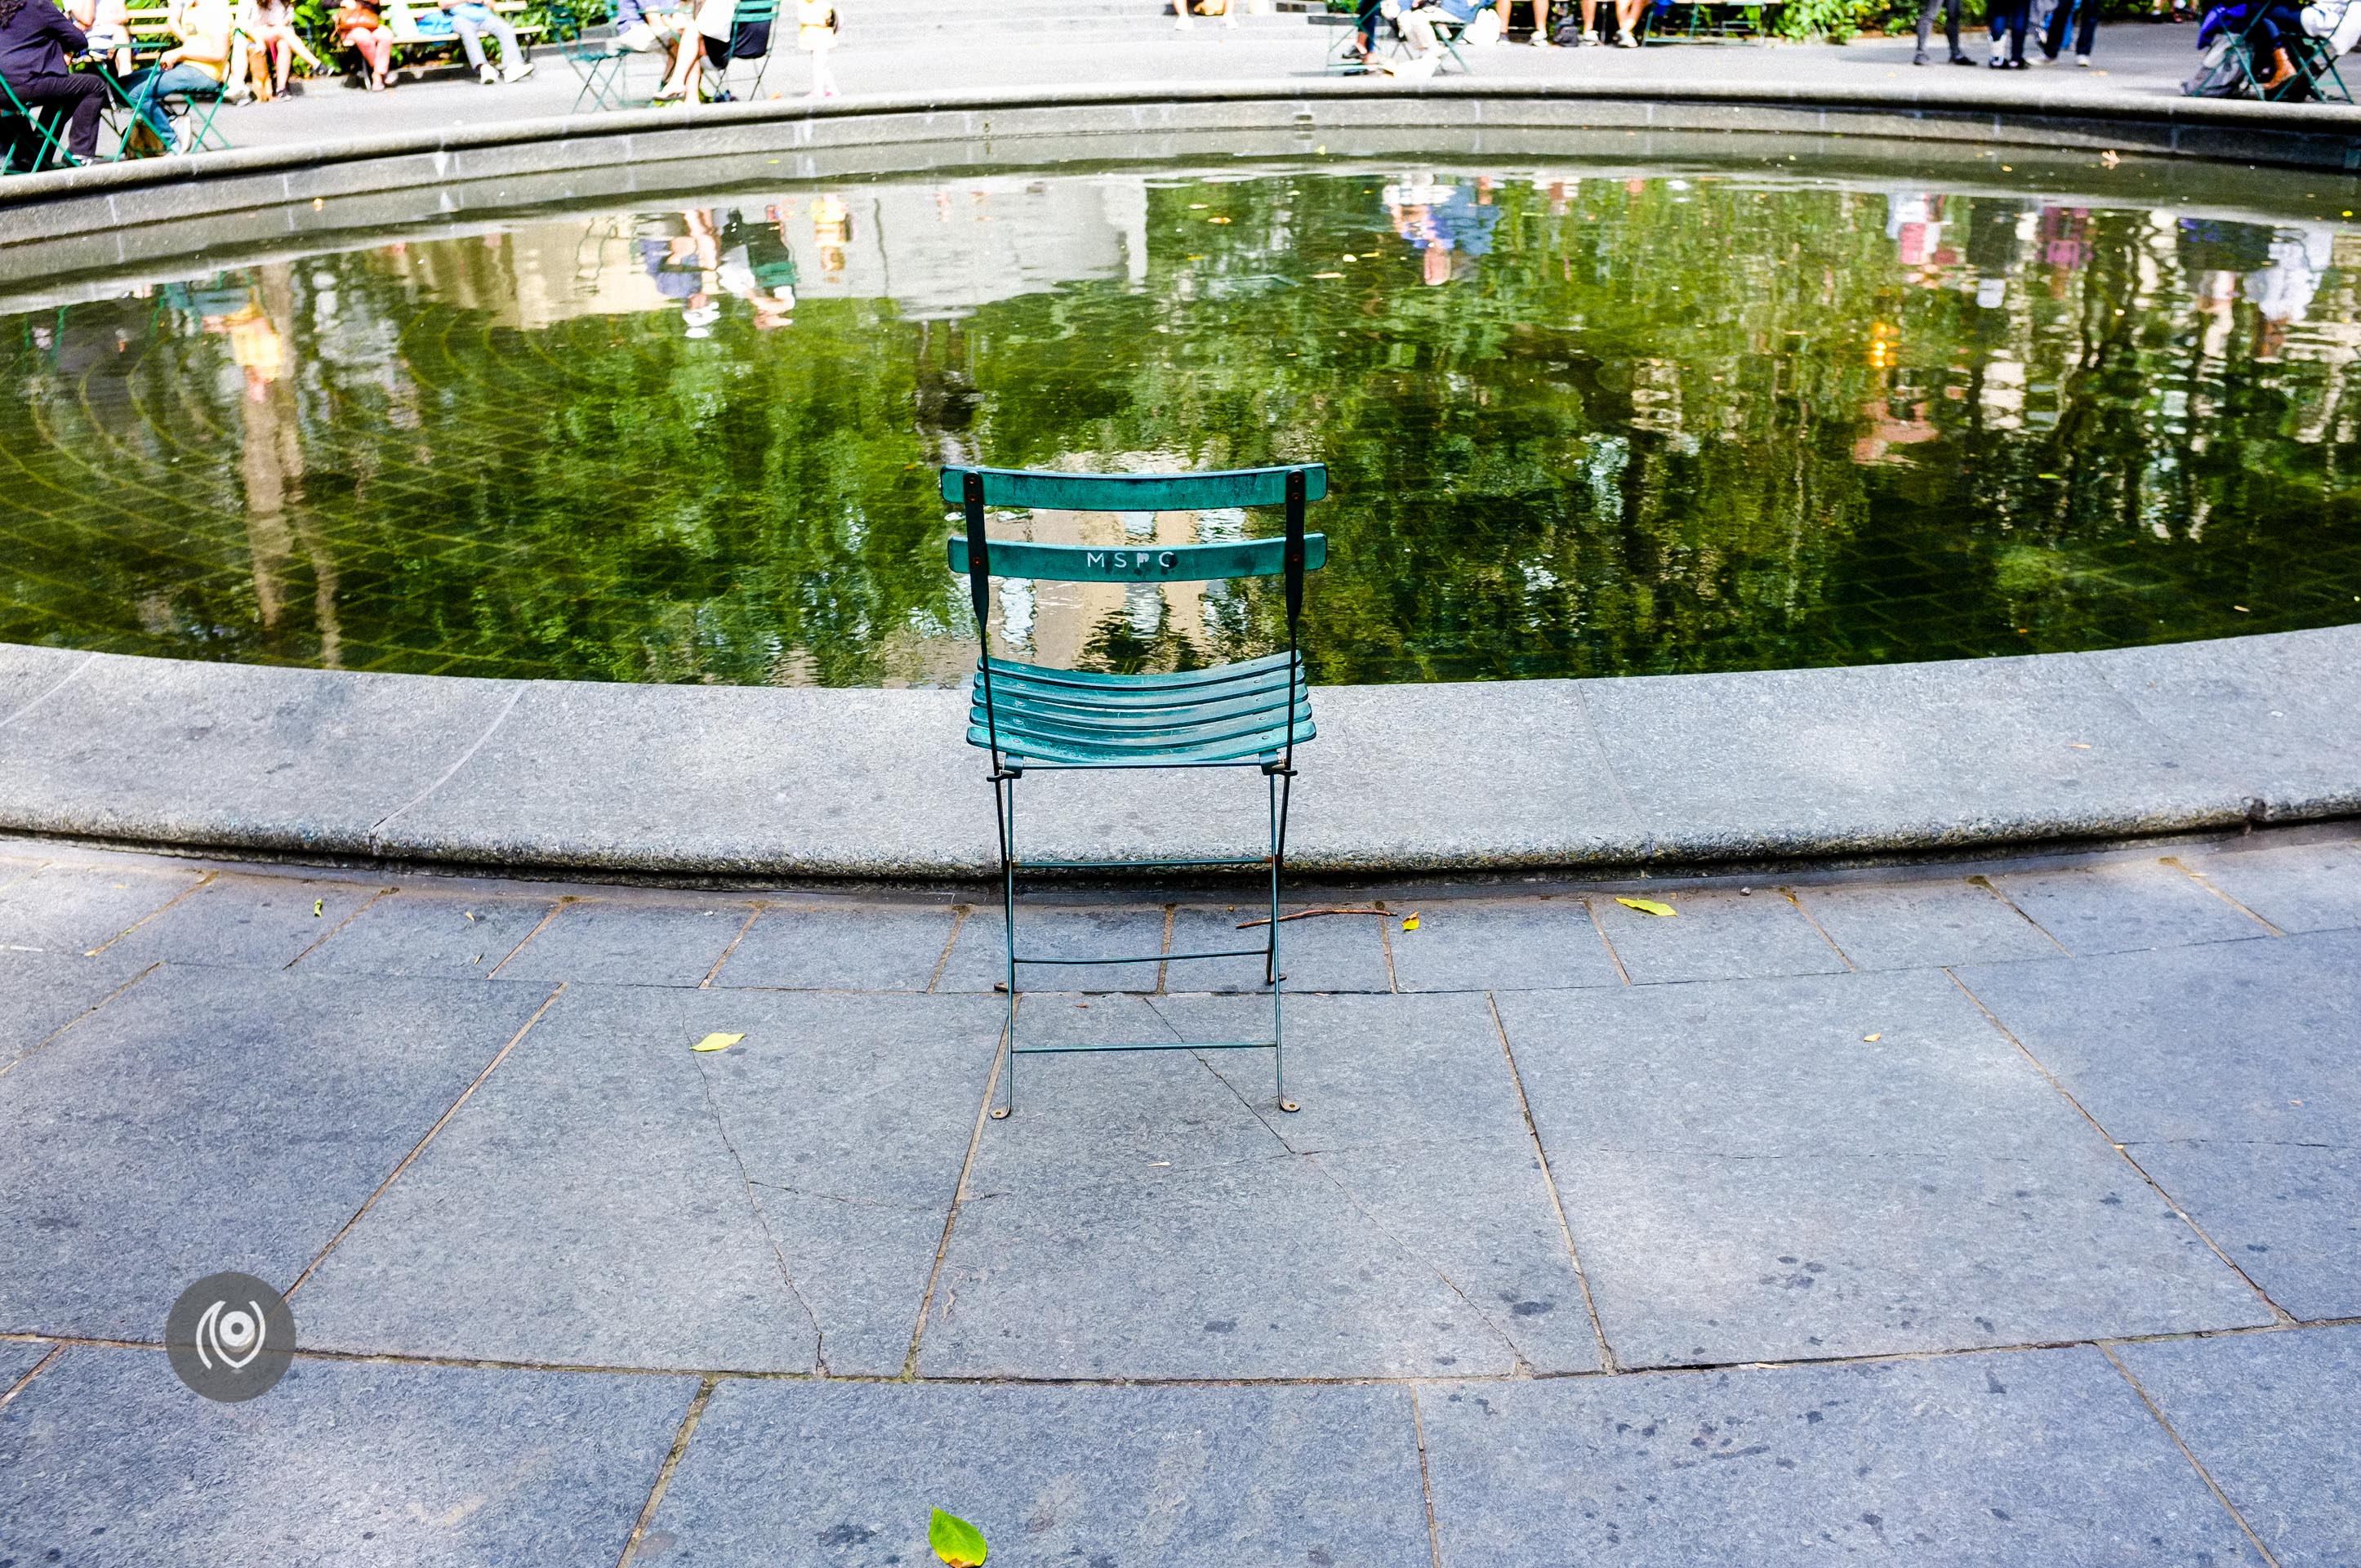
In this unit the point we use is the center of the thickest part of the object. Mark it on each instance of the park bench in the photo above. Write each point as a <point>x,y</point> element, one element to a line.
<point>1251,714</point>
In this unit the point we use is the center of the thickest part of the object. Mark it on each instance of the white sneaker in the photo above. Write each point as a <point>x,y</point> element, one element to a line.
<point>517,72</point>
<point>2084,61</point>
<point>1627,41</point>
<point>1541,40</point>
<point>487,76</point>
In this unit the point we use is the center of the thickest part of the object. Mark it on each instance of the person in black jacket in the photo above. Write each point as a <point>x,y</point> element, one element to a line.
<point>35,39</point>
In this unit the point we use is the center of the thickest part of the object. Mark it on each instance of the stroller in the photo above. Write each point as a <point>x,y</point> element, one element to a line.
<point>2271,50</point>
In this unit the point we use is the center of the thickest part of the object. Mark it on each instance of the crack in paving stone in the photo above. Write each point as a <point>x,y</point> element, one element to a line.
<point>762,1218</point>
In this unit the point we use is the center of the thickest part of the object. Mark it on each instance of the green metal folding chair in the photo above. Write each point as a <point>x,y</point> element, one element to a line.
<point>28,135</point>
<point>749,13</point>
<point>196,133</point>
<point>1252,714</point>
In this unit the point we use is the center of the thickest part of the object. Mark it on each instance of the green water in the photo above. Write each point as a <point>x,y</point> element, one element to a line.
<point>1576,426</point>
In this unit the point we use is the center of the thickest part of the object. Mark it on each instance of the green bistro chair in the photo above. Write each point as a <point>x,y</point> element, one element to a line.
<point>1247,715</point>
<point>28,136</point>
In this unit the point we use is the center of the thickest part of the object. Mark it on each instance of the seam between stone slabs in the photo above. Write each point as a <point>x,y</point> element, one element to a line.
<point>373,836</point>
<point>1164,962</point>
<point>564,901</point>
<point>960,912</point>
<point>2201,880</point>
<point>753,914</point>
<point>1363,1380</point>
<point>10,1065</point>
<point>1385,946</point>
<point>762,1218</point>
<point>1523,1365</point>
<point>151,914</point>
<point>1814,922</point>
<point>32,1372</point>
<point>49,691</point>
<point>1606,1362</point>
<point>1426,1480</point>
<point>2195,1463</point>
<point>365,905</point>
<point>1601,927</point>
<point>2015,908</point>
<point>2277,1312</point>
<point>440,1123</point>
<point>680,1441</point>
<point>959,1191</point>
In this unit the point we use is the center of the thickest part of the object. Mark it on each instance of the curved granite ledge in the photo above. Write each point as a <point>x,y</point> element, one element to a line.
<point>118,213</point>
<point>1639,772</point>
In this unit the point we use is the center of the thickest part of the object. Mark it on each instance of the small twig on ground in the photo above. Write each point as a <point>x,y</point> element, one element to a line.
<point>1308,914</point>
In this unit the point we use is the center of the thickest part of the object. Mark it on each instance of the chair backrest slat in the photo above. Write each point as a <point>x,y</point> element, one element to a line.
<point>1154,564</point>
<point>1136,492</point>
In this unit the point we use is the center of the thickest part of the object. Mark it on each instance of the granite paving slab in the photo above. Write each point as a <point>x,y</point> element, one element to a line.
<point>979,958</point>
<point>105,1459</point>
<point>46,992</point>
<point>2042,1456</point>
<point>437,933</point>
<point>2296,887</point>
<point>2270,1417</point>
<point>1155,1215</point>
<point>1499,944</point>
<point>609,1197</point>
<point>1409,1105</point>
<point>1713,935</point>
<point>1749,1176</point>
<point>1327,952</point>
<point>1918,924</point>
<point>2232,1074</point>
<point>2117,906</point>
<point>172,752</point>
<point>842,947</point>
<point>630,943</point>
<point>68,908</point>
<point>2286,705</point>
<point>248,922</point>
<point>218,1119</point>
<point>1822,760</point>
<point>1242,1477</point>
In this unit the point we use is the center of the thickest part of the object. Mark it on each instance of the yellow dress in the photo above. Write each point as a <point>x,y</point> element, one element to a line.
<point>815,24</point>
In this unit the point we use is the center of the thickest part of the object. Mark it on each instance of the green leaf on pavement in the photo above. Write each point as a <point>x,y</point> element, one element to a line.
<point>956,1541</point>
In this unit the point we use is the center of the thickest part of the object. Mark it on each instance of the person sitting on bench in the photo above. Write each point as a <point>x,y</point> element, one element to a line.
<point>473,18</point>
<point>36,39</point>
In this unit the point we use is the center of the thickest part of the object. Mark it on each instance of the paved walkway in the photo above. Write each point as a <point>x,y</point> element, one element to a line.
<point>1996,1218</point>
<point>2137,61</point>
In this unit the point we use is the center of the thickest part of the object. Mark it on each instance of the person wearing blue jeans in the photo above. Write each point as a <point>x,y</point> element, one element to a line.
<point>473,18</point>
<point>2084,15</point>
<point>2011,18</point>
<point>196,70</point>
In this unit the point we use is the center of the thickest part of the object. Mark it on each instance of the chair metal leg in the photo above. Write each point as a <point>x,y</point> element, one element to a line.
<point>1279,792</point>
<point>1004,802</point>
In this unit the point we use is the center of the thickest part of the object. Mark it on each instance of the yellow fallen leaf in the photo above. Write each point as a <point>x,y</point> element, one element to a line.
<point>1871,1039</point>
<point>1327,275</point>
<point>717,1042</point>
<point>1409,921</point>
<point>1647,905</point>
<point>319,908</point>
